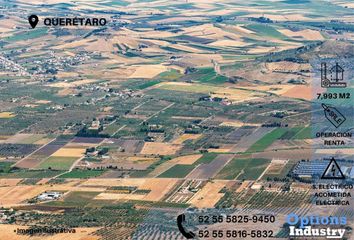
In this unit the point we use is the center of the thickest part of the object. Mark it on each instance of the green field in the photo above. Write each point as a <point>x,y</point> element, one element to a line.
<point>169,75</point>
<point>266,31</point>
<point>297,133</point>
<point>147,84</point>
<point>5,167</point>
<point>267,140</point>
<point>82,174</point>
<point>206,158</point>
<point>36,33</point>
<point>31,174</point>
<point>58,163</point>
<point>303,133</point>
<point>181,170</point>
<point>253,169</point>
<point>119,3</point>
<point>208,75</point>
<point>112,128</point>
<point>289,134</point>
<point>177,171</point>
<point>248,169</point>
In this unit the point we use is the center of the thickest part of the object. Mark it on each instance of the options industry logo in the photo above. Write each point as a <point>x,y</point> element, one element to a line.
<point>316,226</point>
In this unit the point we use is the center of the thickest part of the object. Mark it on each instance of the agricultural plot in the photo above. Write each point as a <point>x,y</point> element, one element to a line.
<point>76,199</point>
<point>208,76</point>
<point>297,133</point>
<point>5,166</point>
<point>209,170</point>
<point>129,146</point>
<point>267,140</point>
<point>278,169</point>
<point>180,167</point>
<point>42,153</point>
<point>265,30</point>
<point>82,174</point>
<point>25,35</point>
<point>185,191</point>
<point>243,169</point>
<point>279,202</point>
<point>69,152</point>
<point>155,148</point>
<point>146,189</point>
<point>84,140</point>
<point>16,150</point>
<point>177,171</point>
<point>304,133</point>
<point>208,196</point>
<point>57,163</point>
<point>184,164</point>
<point>232,94</point>
<point>22,138</point>
<point>112,129</point>
<point>186,137</point>
<point>30,174</point>
<point>268,201</point>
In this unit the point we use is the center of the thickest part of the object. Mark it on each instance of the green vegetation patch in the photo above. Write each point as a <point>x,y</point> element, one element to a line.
<point>30,174</point>
<point>182,170</point>
<point>254,168</point>
<point>248,169</point>
<point>5,167</point>
<point>208,75</point>
<point>58,163</point>
<point>177,171</point>
<point>76,173</point>
<point>147,84</point>
<point>206,158</point>
<point>266,31</point>
<point>267,140</point>
<point>112,128</point>
<point>304,133</point>
<point>116,3</point>
<point>77,199</point>
<point>194,88</point>
<point>290,133</point>
<point>170,75</point>
<point>74,199</point>
<point>25,35</point>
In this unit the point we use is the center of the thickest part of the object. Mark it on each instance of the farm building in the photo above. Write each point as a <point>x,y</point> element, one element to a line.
<point>49,196</point>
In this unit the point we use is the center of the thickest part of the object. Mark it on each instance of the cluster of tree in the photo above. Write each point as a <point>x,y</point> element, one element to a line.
<point>86,132</point>
<point>261,19</point>
<point>274,124</point>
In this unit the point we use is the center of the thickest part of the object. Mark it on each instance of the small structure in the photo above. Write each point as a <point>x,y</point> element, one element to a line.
<point>95,125</point>
<point>49,196</point>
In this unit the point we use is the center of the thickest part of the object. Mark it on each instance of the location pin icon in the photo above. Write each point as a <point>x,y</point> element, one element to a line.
<point>33,20</point>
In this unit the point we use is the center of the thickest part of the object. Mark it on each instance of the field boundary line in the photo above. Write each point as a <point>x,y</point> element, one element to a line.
<point>33,153</point>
